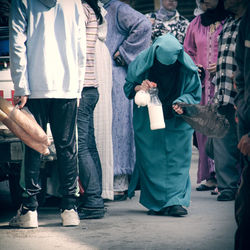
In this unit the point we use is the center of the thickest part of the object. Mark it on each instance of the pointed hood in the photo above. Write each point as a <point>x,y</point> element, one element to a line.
<point>167,50</point>
<point>49,3</point>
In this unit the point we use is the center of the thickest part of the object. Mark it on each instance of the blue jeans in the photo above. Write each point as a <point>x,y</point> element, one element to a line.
<point>90,171</point>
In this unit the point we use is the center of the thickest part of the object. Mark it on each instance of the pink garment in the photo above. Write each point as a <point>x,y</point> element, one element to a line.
<point>202,46</point>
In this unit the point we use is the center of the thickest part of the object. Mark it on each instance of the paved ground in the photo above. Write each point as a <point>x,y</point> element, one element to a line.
<point>210,225</point>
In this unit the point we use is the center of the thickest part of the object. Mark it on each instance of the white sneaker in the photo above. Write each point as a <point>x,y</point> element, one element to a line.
<point>70,218</point>
<point>28,220</point>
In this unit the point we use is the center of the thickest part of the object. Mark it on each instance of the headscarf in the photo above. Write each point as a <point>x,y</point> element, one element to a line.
<point>215,15</point>
<point>163,14</point>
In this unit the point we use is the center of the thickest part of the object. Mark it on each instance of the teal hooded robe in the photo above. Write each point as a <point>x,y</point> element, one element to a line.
<point>163,156</point>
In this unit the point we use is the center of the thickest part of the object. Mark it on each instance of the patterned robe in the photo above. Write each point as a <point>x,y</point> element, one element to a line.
<point>177,25</point>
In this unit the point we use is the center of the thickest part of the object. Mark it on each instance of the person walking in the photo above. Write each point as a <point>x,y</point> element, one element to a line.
<point>162,169</point>
<point>129,33</point>
<point>201,43</point>
<point>168,19</point>
<point>47,54</point>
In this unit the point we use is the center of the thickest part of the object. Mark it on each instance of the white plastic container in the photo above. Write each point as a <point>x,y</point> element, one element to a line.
<point>156,117</point>
<point>155,110</point>
<point>142,98</point>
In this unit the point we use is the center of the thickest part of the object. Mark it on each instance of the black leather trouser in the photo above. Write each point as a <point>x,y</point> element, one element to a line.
<point>61,114</point>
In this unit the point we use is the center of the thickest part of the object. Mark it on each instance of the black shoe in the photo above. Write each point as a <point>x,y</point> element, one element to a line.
<point>91,213</point>
<point>226,195</point>
<point>122,196</point>
<point>175,210</point>
<point>152,212</point>
<point>204,187</point>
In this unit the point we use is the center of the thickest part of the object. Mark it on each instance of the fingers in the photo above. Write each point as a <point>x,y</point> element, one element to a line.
<point>178,109</point>
<point>244,145</point>
<point>146,84</point>
<point>212,68</point>
<point>117,53</point>
<point>17,99</point>
<point>20,101</point>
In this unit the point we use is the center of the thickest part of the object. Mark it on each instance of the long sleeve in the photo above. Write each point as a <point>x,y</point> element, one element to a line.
<point>191,92</point>
<point>189,42</point>
<point>242,56</point>
<point>138,29</point>
<point>18,56</point>
<point>81,48</point>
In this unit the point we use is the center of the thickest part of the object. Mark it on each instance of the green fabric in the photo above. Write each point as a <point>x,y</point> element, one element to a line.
<point>163,157</point>
<point>167,50</point>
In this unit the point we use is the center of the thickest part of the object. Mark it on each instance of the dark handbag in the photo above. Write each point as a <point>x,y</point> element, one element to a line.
<point>205,119</point>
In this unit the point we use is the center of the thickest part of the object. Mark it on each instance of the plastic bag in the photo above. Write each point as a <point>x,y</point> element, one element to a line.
<point>205,119</point>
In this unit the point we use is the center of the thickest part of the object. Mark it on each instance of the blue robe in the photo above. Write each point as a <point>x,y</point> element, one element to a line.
<point>163,156</point>
<point>129,32</point>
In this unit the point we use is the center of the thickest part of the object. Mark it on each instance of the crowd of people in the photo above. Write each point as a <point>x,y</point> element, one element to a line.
<point>103,53</point>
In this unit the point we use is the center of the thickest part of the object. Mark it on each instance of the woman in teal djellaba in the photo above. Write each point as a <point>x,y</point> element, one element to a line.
<point>163,156</point>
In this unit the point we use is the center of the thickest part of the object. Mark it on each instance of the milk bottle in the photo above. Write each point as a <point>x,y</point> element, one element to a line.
<point>155,110</point>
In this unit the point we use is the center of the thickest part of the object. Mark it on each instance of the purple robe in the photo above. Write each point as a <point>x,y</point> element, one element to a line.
<point>202,46</point>
<point>129,32</point>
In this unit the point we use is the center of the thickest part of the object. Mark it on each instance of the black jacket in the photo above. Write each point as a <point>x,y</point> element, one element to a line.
<point>242,99</point>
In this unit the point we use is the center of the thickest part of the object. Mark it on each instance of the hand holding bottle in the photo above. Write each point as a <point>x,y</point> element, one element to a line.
<point>146,85</point>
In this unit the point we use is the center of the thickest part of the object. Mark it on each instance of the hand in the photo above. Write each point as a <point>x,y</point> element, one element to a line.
<point>212,68</point>
<point>119,61</point>
<point>177,109</point>
<point>244,145</point>
<point>20,101</point>
<point>117,53</point>
<point>146,84</point>
<point>199,68</point>
<point>234,81</point>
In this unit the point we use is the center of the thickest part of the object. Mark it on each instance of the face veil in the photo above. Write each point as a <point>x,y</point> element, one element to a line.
<point>167,79</point>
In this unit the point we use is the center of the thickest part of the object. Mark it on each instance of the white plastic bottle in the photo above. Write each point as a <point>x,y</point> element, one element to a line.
<point>155,110</point>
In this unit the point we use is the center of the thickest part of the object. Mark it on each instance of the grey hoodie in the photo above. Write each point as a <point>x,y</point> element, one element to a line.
<point>47,48</point>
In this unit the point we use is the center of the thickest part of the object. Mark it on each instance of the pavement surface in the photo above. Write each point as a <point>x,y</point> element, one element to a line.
<point>209,225</point>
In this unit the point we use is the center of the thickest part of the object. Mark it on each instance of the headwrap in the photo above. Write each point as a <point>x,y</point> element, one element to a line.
<point>164,15</point>
<point>214,15</point>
